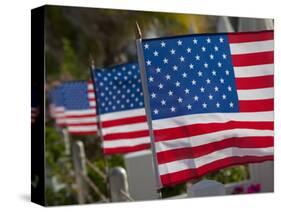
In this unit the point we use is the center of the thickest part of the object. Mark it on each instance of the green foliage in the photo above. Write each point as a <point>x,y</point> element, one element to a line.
<point>173,191</point>
<point>73,34</point>
<point>230,175</point>
<point>70,66</point>
<point>59,171</point>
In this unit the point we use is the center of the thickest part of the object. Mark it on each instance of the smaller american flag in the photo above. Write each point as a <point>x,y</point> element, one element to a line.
<point>34,114</point>
<point>34,107</point>
<point>121,109</point>
<point>80,108</point>
<point>56,106</point>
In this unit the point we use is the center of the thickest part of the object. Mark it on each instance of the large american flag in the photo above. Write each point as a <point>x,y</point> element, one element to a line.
<point>80,108</point>
<point>121,109</point>
<point>57,106</point>
<point>211,101</point>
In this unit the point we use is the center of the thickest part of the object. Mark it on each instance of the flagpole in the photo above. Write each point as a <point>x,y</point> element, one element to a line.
<point>138,35</point>
<point>92,69</point>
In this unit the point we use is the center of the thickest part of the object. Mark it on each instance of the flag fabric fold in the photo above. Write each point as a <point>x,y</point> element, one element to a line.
<point>211,101</point>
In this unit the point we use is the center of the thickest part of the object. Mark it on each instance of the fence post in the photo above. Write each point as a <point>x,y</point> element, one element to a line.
<point>79,161</point>
<point>66,140</point>
<point>119,188</point>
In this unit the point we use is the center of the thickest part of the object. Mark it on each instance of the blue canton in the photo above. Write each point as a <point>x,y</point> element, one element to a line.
<point>190,75</point>
<point>57,96</point>
<point>118,88</point>
<point>76,95</point>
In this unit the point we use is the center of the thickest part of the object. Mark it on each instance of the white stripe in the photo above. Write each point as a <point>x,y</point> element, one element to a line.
<point>59,115</point>
<point>59,109</point>
<point>90,86</point>
<point>254,71</point>
<point>92,103</point>
<point>122,114</point>
<point>80,120</point>
<point>256,94</point>
<point>82,128</point>
<point>251,47</point>
<point>126,142</point>
<point>80,112</point>
<point>180,165</point>
<point>60,121</point>
<point>209,138</point>
<point>210,118</point>
<point>91,95</point>
<point>125,128</point>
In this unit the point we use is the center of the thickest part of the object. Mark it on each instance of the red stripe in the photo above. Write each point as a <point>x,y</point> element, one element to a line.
<point>252,59</point>
<point>91,99</point>
<point>254,82</point>
<point>61,125</point>
<point>198,151</point>
<point>83,133</point>
<point>120,150</point>
<point>81,116</point>
<point>126,135</point>
<point>81,124</point>
<point>256,105</point>
<point>250,36</point>
<point>58,112</point>
<point>185,175</point>
<point>124,121</point>
<point>199,129</point>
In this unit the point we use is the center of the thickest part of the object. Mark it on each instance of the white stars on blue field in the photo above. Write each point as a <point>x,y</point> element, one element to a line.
<point>190,75</point>
<point>76,95</point>
<point>119,88</point>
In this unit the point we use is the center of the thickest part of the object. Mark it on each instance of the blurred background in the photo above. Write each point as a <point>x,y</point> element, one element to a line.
<point>73,35</point>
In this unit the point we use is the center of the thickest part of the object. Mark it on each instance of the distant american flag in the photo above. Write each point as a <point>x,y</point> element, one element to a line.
<point>34,107</point>
<point>34,114</point>
<point>121,109</point>
<point>56,106</point>
<point>211,102</point>
<point>80,108</point>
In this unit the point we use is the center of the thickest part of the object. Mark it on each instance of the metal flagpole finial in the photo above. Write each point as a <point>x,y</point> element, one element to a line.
<point>92,62</point>
<point>138,31</point>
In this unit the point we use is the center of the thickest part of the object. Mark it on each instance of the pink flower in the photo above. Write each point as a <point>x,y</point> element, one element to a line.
<point>254,188</point>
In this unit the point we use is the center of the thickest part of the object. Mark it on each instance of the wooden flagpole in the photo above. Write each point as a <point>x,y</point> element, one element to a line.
<point>141,62</point>
<point>92,69</point>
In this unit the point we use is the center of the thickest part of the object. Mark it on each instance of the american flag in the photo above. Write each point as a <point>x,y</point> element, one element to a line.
<point>34,114</point>
<point>34,106</point>
<point>211,101</point>
<point>80,108</point>
<point>121,109</point>
<point>56,106</point>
